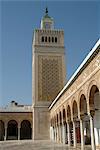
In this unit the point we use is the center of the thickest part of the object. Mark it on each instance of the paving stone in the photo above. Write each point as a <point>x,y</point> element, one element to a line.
<point>34,145</point>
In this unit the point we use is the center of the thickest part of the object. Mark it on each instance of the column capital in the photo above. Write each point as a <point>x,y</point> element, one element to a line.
<point>91,113</point>
<point>19,125</point>
<point>5,124</point>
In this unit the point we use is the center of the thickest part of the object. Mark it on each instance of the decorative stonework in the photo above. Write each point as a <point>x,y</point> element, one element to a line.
<point>49,33</point>
<point>50,77</point>
<point>91,72</point>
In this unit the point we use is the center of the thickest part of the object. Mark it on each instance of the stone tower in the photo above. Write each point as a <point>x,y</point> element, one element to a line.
<point>48,73</point>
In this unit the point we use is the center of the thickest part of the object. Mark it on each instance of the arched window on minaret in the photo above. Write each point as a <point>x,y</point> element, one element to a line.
<point>49,39</point>
<point>46,39</point>
<point>42,39</point>
<point>55,39</point>
<point>52,39</point>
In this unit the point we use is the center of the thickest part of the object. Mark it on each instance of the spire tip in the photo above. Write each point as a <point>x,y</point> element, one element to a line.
<point>46,11</point>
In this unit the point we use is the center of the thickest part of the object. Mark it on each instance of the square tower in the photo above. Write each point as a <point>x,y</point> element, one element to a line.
<point>48,73</point>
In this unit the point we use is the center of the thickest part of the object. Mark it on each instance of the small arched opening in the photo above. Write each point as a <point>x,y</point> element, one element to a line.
<point>65,127</point>
<point>12,130</point>
<point>42,39</point>
<point>52,39</point>
<point>57,119</point>
<point>49,39</point>
<point>68,114</point>
<point>85,118</point>
<point>46,39</point>
<point>94,104</point>
<point>70,124</point>
<point>26,131</point>
<point>1,130</point>
<point>60,127</point>
<point>77,123</point>
<point>55,39</point>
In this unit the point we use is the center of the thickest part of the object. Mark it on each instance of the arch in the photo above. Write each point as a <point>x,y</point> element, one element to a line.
<point>49,39</point>
<point>76,120</point>
<point>94,106</point>
<point>60,117</point>
<point>52,39</point>
<point>1,130</point>
<point>55,39</point>
<point>84,116</point>
<point>93,95</point>
<point>54,120</point>
<point>42,39</point>
<point>95,83</point>
<point>68,113</point>
<point>26,131</point>
<point>46,39</point>
<point>83,105</point>
<point>71,132</point>
<point>12,130</point>
<point>75,110</point>
<point>64,115</point>
<point>57,119</point>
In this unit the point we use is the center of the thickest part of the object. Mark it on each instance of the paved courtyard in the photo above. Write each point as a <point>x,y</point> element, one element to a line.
<point>36,145</point>
<point>30,145</point>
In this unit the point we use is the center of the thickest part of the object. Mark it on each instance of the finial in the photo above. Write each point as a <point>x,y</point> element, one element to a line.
<point>46,11</point>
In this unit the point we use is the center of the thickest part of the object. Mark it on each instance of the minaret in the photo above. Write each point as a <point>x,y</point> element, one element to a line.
<point>48,73</point>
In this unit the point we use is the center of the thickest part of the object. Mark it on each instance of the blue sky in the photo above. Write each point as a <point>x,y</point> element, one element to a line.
<point>80,21</point>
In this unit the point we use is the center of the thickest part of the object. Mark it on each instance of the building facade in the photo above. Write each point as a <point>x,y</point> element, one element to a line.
<point>68,114</point>
<point>75,113</point>
<point>16,122</point>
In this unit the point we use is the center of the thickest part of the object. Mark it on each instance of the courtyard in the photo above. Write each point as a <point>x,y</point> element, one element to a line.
<point>35,145</point>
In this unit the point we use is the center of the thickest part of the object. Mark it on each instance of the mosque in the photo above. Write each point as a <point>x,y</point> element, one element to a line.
<point>65,113</point>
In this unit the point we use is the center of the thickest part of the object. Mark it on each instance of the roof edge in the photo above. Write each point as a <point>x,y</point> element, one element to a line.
<point>75,73</point>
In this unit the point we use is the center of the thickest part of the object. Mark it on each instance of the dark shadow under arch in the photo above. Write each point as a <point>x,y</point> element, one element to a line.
<point>12,130</point>
<point>26,131</point>
<point>1,130</point>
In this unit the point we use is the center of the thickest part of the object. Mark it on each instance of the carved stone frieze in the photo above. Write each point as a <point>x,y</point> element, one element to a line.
<point>50,77</point>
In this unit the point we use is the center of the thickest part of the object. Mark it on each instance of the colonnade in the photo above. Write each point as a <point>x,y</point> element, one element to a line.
<point>75,123</point>
<point>15,130</point>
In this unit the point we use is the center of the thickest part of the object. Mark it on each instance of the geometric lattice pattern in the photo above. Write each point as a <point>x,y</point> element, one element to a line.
<point>50,77</point>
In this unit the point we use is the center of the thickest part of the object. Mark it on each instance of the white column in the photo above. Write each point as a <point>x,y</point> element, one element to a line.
<point>68,129</point>
<point>92,133</point>
<point>18,131</point>
<point>74,134</point>
<point>82,134</point>
<point>54,133</point>
<point>63,126</point>
<point>60,133</point>
<point>5,137</point>
<point>57,134</point>
<point>51,133</point>
<point>99,135</point>
<point>96,136</point>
